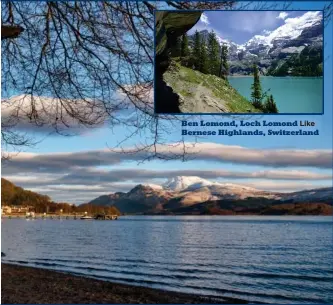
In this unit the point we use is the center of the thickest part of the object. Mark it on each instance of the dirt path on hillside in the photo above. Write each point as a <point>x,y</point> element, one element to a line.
<point>202,101</point>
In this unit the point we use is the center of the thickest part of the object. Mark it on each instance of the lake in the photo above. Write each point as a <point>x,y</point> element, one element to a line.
<point>267,259</point>
<point>291,94</point>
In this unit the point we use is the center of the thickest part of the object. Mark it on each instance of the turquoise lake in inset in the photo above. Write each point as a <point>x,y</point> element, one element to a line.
<point>291,94</point>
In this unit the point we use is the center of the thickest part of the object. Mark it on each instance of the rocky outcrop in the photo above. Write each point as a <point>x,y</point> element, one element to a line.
<point>169,26</point>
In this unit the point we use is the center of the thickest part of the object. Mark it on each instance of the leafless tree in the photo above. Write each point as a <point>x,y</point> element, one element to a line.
<point>91,62</point>
<point>79,64</point>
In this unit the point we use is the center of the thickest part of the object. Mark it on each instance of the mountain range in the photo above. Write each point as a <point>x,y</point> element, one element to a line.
<point>194,195</point>
<point>282,46</point>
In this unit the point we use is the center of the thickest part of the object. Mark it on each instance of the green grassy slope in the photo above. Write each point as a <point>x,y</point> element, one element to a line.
<point>192,85</point>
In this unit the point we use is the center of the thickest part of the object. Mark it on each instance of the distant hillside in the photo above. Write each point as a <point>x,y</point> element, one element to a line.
<point>107,199</point>
<point>140,199</point>
<point>15,195</point>
<point>299,209</point>
<point>256,206</point>
<point>196,196</point>
<point>307,63</point>
<point>204,93</point>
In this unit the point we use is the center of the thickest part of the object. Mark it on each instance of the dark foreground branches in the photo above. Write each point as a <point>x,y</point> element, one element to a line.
<point>76,65</point>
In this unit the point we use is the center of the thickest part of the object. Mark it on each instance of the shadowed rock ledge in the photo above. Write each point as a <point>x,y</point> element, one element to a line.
<point>169,26</point>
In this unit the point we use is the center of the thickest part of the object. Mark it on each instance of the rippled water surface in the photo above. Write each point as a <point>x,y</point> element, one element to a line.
<point>266,259</point>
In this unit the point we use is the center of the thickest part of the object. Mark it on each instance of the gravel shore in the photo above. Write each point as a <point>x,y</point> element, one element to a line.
<point>27,285</point>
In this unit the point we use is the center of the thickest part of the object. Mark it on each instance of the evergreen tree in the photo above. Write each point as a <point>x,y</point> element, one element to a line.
<point>196,50</point>
<point>256,89</point>
<point>176,48</point>
<point>224,63</point>
<point>270,105</point>
<point>213,54</point>
<point>203,59</point>
<point>266,105</point>
<point>184,46</point>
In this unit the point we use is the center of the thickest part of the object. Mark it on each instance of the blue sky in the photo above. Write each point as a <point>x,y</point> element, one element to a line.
<point>52,167</point>
<point>241,26</point>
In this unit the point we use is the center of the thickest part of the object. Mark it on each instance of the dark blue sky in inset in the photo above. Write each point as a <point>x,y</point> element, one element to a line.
<point>240,26</point>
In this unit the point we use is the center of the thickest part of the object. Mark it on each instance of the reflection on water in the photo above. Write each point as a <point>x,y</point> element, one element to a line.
<point>266,259</point>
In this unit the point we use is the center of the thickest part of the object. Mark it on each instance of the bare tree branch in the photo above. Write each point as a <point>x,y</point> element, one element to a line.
<point>83,63</point>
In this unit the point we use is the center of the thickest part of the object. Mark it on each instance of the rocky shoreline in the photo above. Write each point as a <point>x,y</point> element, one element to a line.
<point>28,285</point>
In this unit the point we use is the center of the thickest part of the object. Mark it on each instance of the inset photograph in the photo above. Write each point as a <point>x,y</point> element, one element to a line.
<point>249,62</point>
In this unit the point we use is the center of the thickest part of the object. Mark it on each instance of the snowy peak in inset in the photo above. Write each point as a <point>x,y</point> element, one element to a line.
<point>294,26</point>
<point>292,29</point>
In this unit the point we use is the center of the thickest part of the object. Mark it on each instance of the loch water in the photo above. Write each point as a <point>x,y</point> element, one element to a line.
<point>261,259</point>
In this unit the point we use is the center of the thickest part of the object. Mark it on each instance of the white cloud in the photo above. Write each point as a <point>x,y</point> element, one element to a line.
<point>80,185</point>
<point>206,151</point>
<point>292,28</point>
<point>81,176</point>
<point>84,174</point>
<point>46,114</point>
<point>282,15</point>
<point>204,19</point>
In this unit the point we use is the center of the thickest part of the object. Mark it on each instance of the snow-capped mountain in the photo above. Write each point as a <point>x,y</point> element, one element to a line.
<point>180,183</point>
<point>154,186</point>
<point>288,31</point>
<point>277,45</point>
<point>188,191</point>
<point>216,190</point>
